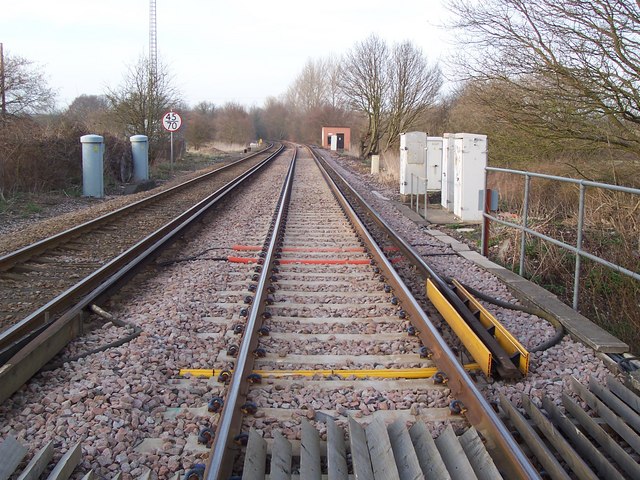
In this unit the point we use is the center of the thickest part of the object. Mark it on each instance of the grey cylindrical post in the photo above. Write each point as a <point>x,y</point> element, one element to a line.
<point>92,166</point>
<point>140,154</point>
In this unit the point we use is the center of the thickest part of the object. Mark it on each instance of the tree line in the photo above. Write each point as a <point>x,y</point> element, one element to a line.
<point>542,79</point>
<point>377,89</point>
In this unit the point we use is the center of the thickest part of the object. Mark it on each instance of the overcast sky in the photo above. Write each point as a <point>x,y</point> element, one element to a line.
<point>218,51</point>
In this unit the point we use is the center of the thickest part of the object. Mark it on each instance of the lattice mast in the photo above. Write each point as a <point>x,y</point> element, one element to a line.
<point>152,74</point>
<point>153,38</point>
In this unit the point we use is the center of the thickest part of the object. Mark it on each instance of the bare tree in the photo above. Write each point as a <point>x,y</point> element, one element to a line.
<point>233,124</point>
<point>91,111</point>
<point>200,124</point>
<point>332,79</point>
<point>365,83</point>
<point>274,120</point>
<point>139,102</point>
<point>571,69</point>
<point>25,87</point>
<point>315,86</point>
<point>391,88</point>
<point>308,91</point>
<point>314,99</point>
<point>414,87</point>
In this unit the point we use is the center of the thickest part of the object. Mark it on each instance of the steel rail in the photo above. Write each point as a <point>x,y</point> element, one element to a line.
<point>56,335</point>
<point>221,458</point>
<point>480,414</point>
<point>21,255</point>
<point>14,338</point>
<point>506,367</point>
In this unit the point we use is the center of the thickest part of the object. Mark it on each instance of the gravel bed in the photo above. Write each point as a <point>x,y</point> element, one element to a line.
<point>333,309</point>
<point>12,225</point>
<point>329,256</point>
<point>314,346</point>
<point>97,338</point>
<point>333,298</point>
<point>383,363</point>
<point>99,246</point>
<point>334,287</point>
<point>368,310</point>
<point>329,270</point>
<point>368,400</point>
<point>530,330</point>
<point>291,326</point>
<point>113,400</point>
<point>19,231</point>
<point>549,370</point>
<point>313,276</point>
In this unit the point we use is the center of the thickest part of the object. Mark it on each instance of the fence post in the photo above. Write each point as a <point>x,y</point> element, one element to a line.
<point>576,275</point>
<point>411,191</point>
<point>525,216</point>
<point>486,223</point>
<point>426,199</point>
<point>577,250</point>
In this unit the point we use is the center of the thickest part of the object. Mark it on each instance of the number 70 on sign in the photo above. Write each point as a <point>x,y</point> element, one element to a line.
<point>171,121</point>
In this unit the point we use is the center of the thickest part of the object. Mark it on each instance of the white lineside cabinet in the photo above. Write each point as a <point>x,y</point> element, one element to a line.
<point>334,142</point>
<point>434,164</point>
<point>469,162</point>
<point>412,161</point>
<point>446,197</point>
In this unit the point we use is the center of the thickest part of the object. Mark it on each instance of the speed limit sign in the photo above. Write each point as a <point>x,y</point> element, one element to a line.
<point>171,121</point>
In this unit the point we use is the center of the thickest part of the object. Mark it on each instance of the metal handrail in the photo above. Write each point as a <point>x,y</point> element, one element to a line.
<point>524,228</point>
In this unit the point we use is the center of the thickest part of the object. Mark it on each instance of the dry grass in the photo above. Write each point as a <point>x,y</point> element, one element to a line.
<point>611,231</point>
<point>390,166</point>
<point>227,147</point>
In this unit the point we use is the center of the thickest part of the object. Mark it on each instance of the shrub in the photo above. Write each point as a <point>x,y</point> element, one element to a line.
<point>36,157</point>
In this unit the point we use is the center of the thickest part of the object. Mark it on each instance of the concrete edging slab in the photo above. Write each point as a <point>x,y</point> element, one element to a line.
<point>578,326</point>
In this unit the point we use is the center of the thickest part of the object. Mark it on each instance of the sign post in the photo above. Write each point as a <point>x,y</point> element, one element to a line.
<point>171,122</point>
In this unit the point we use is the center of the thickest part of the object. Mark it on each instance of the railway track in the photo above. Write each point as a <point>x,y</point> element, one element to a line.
<point>329,389</point>
<point>318,241</point>
<point>46,286</point>
<point>32,276</point>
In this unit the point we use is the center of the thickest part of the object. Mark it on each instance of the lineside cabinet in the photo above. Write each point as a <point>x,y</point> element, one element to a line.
<point>469,162</point>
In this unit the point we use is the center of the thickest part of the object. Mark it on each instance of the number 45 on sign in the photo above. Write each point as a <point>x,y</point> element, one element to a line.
<point>171,121</point>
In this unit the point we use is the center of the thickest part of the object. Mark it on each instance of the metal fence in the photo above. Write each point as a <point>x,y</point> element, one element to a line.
<point>524,227</point>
